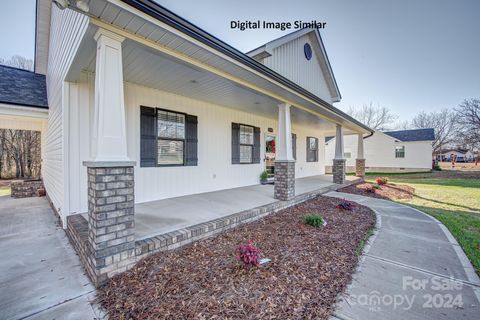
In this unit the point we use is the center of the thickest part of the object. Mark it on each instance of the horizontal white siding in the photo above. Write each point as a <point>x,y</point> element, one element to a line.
<point>214,170</point>
<point>289,60</point>
<point>379,151</point>
<point>66,31</point>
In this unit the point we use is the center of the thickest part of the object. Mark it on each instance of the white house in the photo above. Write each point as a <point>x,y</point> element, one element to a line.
<point>144,106</point>
<point>393,151</point>
<point>460,155</point>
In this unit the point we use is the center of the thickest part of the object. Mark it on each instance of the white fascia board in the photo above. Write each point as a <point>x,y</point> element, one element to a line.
<point>327,62</point>
<point>23,111</point>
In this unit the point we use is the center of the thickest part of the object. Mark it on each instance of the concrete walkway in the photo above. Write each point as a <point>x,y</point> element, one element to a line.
<point>412,268</point>
<point>40,275</point>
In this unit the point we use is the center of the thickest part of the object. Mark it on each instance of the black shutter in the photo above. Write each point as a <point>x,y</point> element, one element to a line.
<point>148,137</point>
<point>256,145</point>
<point>191,140</point>
<point>294,145</point>
<point>235,143</point>
<point>316,149</point>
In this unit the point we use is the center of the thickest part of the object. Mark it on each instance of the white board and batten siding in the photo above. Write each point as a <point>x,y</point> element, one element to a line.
<point>67,29</point>
<point>214,170</point>
<point>289,60</point>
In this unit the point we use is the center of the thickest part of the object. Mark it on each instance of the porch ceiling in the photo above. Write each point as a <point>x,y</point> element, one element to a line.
<point>148,61</point>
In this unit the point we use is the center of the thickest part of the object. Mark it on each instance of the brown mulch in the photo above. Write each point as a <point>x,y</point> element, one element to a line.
<point>386,191</point>
<point>309,268</point>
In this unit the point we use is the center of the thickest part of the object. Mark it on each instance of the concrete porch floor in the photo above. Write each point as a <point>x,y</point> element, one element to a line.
<point>162,216</point>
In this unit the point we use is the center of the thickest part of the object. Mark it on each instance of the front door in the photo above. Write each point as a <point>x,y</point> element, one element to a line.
<point>270,153</point>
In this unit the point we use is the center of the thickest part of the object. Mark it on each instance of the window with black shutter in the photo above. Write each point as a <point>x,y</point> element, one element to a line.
<point>294,145</point>
<point>245,144</point>
<point>168,138</point>
<point>312,149</point>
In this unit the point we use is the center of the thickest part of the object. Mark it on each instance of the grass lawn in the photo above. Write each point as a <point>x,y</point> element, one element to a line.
<point>4,191</point>
<point>453,201</point>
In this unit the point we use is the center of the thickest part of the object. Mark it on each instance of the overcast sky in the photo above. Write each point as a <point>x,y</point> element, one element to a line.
<point>408,55</point>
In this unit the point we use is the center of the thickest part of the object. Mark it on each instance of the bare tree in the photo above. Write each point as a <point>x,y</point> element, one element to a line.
<point>444,123</point>
<point>469,120</point>
<point>378,118</point>
<point>20,154</point>
<point>18,61</point>
<point>403,125</point>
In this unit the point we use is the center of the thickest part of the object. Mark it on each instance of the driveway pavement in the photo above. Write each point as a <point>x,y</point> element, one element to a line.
<point>412,268</point>
<point>40,275</point>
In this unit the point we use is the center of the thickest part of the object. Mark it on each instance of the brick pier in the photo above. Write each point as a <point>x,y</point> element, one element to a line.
<point>284,188</point>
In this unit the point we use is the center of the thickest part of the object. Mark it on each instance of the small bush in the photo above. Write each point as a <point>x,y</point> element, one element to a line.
<point>314,220</point>
<point>346,205</point>
<point>370,189</point>
<point>381,181</point>
<point>376,186</point>
<point>248,254</point>
<point>264,176</point>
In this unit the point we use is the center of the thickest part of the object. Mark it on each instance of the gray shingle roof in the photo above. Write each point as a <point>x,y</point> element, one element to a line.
<point>22,87</point>
<point>413,135</point>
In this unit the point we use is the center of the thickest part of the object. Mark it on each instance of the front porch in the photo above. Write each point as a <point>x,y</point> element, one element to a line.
<point>164,216</point>
<point>171,223</point>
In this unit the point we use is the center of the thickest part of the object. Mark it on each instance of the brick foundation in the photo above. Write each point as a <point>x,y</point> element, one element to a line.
<point>339,171</point>
<point>27,188</point>
<point>360,168</point>
<point>111,224</point>
<point>284,188</point>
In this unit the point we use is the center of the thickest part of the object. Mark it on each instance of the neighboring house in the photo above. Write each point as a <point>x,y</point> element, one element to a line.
<point>459,155</point>
<point>23,102</point>
<point>394,151</point>
<point>146,106</point>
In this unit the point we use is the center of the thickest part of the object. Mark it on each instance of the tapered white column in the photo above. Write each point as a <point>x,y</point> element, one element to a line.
<point>339,151</point>
<point>360,147</point>
<point>339,168</point>
<point>109,133</point>
<point>283,146</point>
<point>284,163</point>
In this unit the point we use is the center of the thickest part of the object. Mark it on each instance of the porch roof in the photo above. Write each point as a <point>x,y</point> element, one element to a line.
<point>162,34</point>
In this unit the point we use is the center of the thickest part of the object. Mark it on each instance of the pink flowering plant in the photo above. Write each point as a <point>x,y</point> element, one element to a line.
<point>248,254</point>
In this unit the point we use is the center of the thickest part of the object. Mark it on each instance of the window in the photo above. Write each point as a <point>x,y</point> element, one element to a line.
<point>246,144</point>
<point>399,151</point>
<point>171,138</point>
<point>312,149</point>
<point>347,155</point>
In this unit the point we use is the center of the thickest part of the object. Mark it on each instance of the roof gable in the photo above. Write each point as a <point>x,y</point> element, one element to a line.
<point>413,135</point>
<point>22,87</point>
<point>267,50</point>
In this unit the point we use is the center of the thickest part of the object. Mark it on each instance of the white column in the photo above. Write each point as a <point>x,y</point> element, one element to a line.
<point>284,150</point>
<point>339,151</point>
<point>360,154</point>
<point>109,132</point>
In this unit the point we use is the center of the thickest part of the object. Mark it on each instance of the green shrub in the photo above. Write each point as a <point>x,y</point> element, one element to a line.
<point>376,186</point>
<point>264,176</point>
<point>314,220</point>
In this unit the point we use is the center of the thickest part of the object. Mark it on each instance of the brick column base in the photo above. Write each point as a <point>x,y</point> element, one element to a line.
<point>338,171</point>
<point>284,188</point>
<point>111,224</point>
<point>360,168</point>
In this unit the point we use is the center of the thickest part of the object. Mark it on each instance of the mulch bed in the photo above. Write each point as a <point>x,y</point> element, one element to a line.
<point>309,268</point>
<point>387,191</point>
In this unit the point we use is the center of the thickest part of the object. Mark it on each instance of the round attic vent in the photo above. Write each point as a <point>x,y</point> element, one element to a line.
<point>308,51</point>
